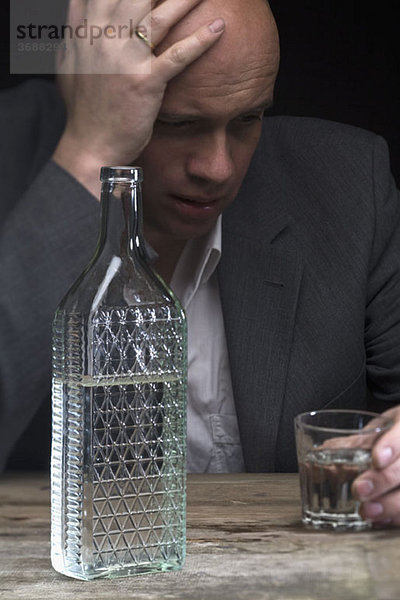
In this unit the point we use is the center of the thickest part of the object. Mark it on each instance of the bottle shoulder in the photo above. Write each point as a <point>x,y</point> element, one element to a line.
<point>119,282</point>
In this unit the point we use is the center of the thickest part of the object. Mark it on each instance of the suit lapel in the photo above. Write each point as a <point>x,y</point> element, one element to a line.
<point>259,286</point>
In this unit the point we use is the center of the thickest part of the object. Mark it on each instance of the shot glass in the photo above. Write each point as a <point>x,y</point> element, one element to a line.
<point>333,449</point>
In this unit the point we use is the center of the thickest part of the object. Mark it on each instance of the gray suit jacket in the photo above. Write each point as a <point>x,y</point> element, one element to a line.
<point>309,276</point>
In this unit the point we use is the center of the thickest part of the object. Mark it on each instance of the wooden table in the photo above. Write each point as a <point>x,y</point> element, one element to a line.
<point>245,542</point>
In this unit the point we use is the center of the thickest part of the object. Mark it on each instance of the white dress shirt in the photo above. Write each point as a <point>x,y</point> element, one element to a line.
<point>213,434</point>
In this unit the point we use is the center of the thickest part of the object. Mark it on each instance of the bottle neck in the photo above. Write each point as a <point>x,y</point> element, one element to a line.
<point>121,218</point>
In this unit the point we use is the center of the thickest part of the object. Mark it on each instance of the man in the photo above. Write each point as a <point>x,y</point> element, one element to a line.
<point>304,298</point>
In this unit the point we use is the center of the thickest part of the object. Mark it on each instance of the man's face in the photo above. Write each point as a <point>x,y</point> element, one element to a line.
<point>204,138</point>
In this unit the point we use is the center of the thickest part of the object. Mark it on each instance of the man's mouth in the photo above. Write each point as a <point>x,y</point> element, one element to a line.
<point>197,201</point>
<point>197,207</point>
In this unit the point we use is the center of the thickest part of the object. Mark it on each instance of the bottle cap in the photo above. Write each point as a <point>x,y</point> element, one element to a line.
<point>121,174</point>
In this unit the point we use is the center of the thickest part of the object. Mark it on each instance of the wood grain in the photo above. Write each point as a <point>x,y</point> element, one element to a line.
<point>245,542</point>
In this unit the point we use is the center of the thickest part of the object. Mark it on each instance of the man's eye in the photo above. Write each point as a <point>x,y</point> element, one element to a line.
<point>250,118</point>
<point>175,124</point>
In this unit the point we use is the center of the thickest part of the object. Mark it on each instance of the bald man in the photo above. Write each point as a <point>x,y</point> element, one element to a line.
<point>280,236</point>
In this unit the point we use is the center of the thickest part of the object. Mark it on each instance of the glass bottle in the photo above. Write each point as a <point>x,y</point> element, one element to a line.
<point>119,405</point>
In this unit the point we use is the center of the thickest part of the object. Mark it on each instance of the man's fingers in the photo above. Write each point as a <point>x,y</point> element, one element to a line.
<point>387,448</point>
<point>129,12</point>
<point>378,487</point>
<point>76,12</point>
<point>164,17</point>
<point>181,54</point>
<point>384,509</point>
<point>373,483</point>
<point>101,13</point>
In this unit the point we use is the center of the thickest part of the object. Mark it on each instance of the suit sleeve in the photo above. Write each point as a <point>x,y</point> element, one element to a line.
<point>45,242</point>
<point>382,322</point>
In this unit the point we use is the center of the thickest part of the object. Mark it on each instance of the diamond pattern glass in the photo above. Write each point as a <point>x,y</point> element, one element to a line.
<point>119,408</point>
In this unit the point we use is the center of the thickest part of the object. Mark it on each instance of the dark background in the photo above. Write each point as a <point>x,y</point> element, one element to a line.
<point>340,60</point>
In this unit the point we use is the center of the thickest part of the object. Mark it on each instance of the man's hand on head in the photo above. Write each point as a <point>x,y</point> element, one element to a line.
<point>113,85</point>
<point>379,487</point>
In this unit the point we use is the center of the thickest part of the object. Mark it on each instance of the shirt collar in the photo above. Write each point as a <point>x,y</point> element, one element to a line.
<point>197,263</point>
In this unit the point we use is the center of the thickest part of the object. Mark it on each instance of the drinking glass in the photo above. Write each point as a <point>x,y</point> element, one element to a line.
<point>333,449</point>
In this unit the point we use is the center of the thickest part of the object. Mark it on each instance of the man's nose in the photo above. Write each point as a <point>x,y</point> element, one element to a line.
<point>210,159</point>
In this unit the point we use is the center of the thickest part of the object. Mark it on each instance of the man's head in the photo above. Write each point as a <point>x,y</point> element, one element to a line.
<point>210,120</point>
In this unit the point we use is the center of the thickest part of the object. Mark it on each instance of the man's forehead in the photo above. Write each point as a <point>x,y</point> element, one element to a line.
<point>239,84</point>
<point>214,102</point>
<point>248,23</point>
